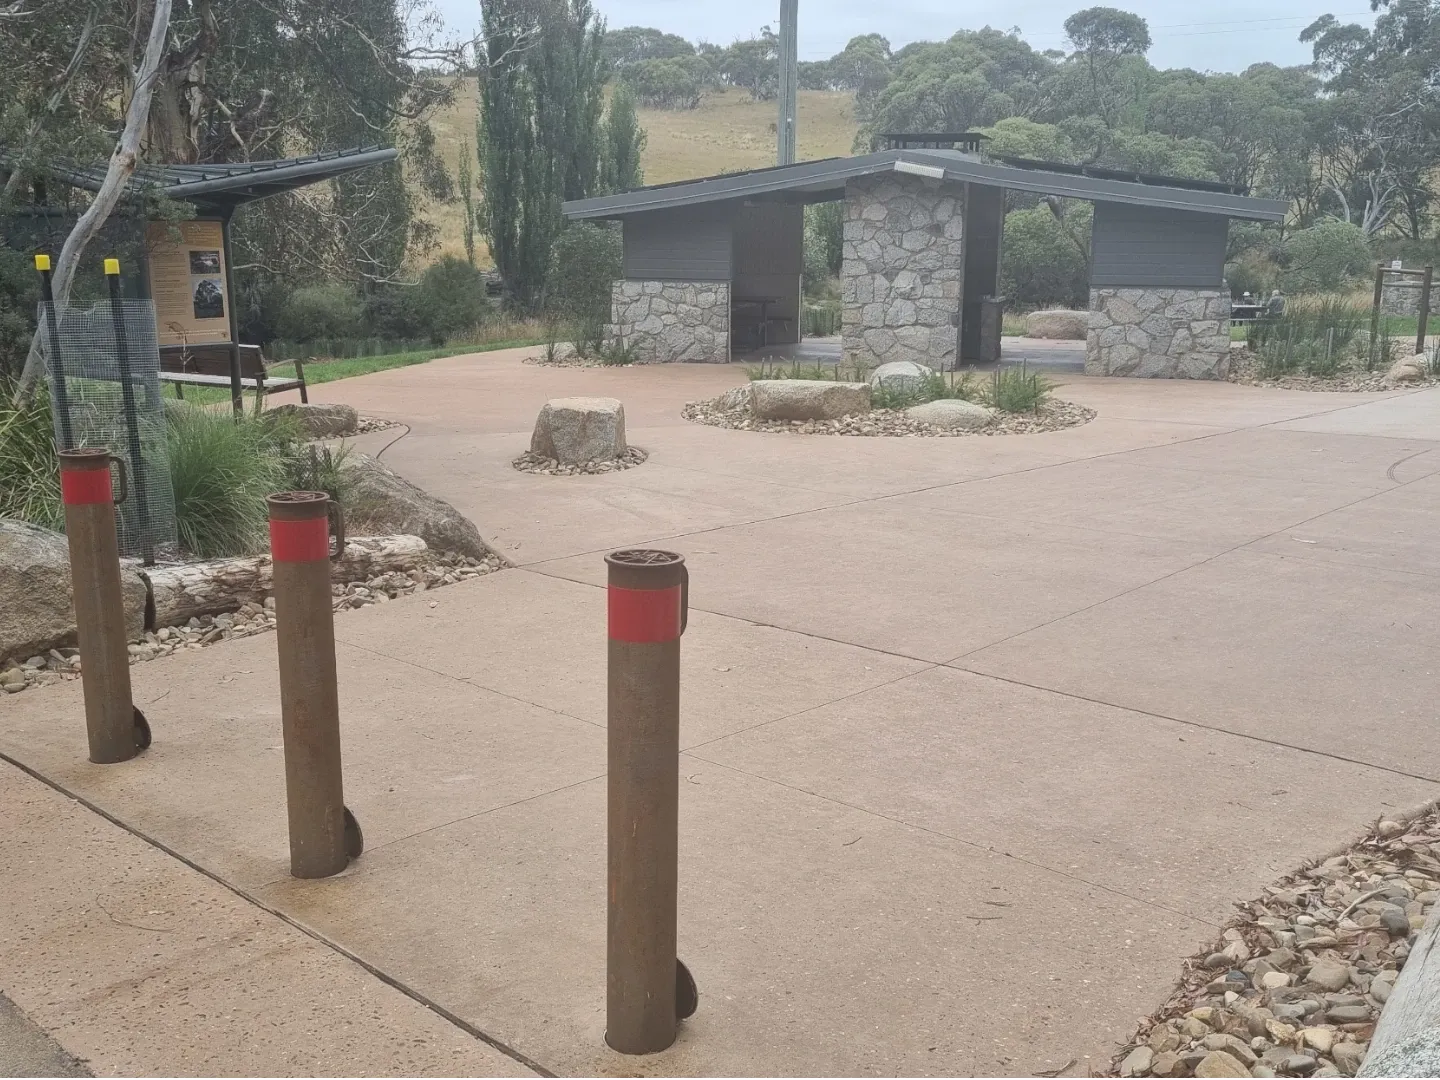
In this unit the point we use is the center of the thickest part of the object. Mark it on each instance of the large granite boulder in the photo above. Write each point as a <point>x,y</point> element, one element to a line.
<point>1058,323</point>
<point>901,377</point>
<point>952,414</point>
<point>36,609</point>
<point>807,399</point>
<point>736,398</point>
<point>1407,369</point>
<point>575,430</point>
<point>320,421</point>
<point>383,503</point>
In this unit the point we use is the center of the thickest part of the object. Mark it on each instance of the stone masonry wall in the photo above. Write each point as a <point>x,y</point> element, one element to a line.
<point>1158,333</point>
<point>672,321</point>
<point>1401,298</point>
<point>901,278</point>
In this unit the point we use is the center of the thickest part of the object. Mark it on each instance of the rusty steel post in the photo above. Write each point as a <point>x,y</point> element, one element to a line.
<point>324,835</point>
<point>116,729</point>
<point>647,988</point>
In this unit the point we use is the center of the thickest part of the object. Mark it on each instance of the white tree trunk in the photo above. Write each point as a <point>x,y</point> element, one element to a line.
<point>181,593</point>
<point>122,167</point>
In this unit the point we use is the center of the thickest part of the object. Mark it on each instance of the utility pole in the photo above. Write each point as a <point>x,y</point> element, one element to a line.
<point>789,83</point>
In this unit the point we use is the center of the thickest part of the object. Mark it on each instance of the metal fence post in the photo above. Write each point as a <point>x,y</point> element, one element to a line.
<point>1422,311</point>
<point>116,729</point>
<point>324,835</point>
<point>132,420</point>
<point>648,989</point>
<point>57,367</point>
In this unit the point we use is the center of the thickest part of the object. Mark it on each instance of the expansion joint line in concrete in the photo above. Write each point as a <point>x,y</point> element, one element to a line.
<point>1045,867</point>
<point>1200,726</point>
<point>379,973</point>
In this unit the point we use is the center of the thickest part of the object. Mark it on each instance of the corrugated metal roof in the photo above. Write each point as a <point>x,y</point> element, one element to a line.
<point>814,180</point>
<point>230,183</point>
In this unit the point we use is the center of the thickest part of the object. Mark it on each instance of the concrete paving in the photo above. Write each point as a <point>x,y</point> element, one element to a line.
<point>25,1050</point>
<point>980,736</point>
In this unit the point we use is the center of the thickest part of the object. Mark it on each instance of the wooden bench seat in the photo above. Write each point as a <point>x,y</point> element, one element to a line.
<point>209,365</point>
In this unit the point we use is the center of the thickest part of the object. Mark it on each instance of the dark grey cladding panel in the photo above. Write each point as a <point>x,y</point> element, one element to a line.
<point>691,243</point>
<point>1149,246</point>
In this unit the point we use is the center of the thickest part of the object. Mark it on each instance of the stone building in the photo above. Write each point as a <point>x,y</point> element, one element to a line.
<point>712,267</point>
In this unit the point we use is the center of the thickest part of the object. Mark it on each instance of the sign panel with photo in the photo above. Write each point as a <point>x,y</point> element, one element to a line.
<point>187,282</point>
<point>209,294</point>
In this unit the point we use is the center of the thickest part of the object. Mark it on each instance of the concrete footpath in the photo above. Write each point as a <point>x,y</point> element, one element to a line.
<point>137,964</point>
<point>979,737</point>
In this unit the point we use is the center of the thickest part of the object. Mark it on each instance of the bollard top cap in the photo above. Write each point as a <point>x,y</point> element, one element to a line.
<point>645,568</point>
<point>298,505</point>
<point>644,557</point>
<point>42,263</point>
<point>87,457</point>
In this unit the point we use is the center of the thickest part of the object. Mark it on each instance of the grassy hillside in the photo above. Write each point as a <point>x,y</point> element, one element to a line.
<point>727,132</point>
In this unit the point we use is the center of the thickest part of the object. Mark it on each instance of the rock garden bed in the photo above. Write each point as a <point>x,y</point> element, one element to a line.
<point>899,399</point>
<point>549,466</point>
<point>1295,984</point>
<point>400,540</point>
<point>431,571</point>
<point>562,355</point>
<point>1406,373</point>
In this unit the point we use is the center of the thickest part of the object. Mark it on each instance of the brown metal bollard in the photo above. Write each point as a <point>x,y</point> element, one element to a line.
<point>116,729</point>
<point>324,835</point>
<point>648,989</point>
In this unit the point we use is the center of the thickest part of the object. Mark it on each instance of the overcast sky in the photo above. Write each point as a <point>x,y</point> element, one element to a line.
<point>1225,35</point>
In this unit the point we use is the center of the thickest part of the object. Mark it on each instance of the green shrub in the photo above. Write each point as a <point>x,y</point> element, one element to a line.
<point>617,354</point>
<point>1326,257</point>
<point>29,469</point>
<point>824,247</point>
<point>823,319</point>
<point>1017,390</point>
<point>585,261</point>
<point>1043,262</point>
<point>221,470</point>
<point>311,467</point>
<point>19,295</point>
<point>935,387</point>
<point>392,313</point>
<point>1310,337</point>
<point>450,299</point>
<point>322,311</point>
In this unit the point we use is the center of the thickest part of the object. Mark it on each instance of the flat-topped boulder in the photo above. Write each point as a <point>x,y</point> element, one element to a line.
<point>575,430</point>
<point>952,414</point>
<point>901,377</point>
<point>36,608</point>
<point>327,421</point>
<point>1057,323</point>
<point>1407,369</point>
<point>807,399</point>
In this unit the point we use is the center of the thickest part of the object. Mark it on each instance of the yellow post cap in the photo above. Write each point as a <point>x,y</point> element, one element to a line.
<point>42,263</point>
<point>112,267</point>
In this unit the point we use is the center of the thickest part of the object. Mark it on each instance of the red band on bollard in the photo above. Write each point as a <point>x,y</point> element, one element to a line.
<point>644,616</point>
<point>300,541</point>
<point>82,487</point>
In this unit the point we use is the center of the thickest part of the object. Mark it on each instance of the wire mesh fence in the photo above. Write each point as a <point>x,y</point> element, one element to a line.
<point>103,361</point>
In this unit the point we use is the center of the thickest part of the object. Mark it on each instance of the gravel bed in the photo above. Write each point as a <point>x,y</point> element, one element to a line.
<point>535,463</point>
<point>564,356</point>
<point>1295,984</point>
<point>368,424</point>
<point>1244,369</point>
<point>1051,416</point>
<point>443,569</point>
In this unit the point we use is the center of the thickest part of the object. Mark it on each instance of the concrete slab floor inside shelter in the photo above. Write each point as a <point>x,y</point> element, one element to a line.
<point>980,737</point>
